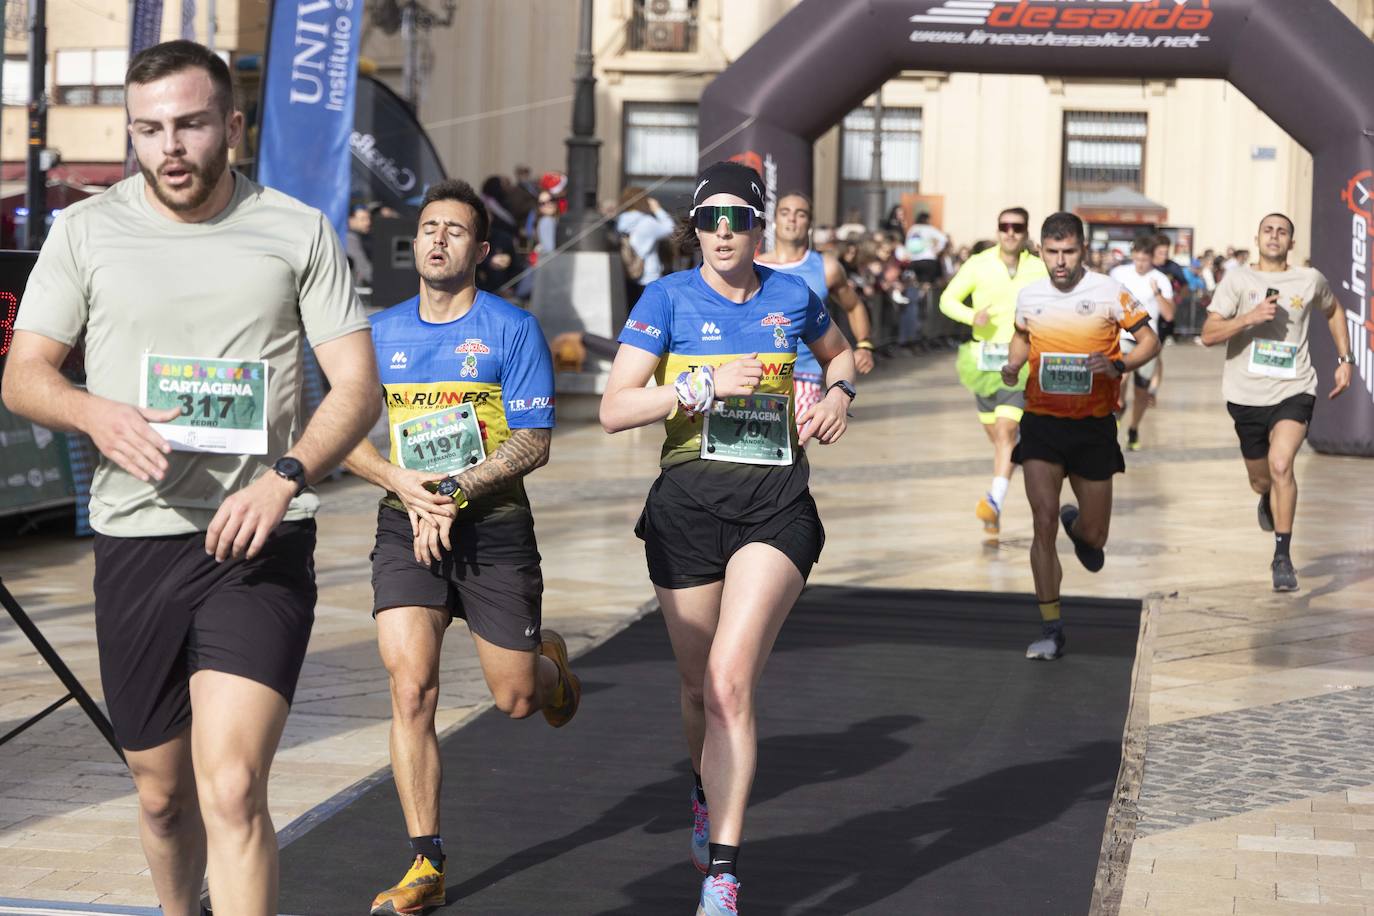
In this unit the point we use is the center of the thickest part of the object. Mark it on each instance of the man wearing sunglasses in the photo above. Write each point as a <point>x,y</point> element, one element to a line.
<point>792,253</point>
<point>993,278</point>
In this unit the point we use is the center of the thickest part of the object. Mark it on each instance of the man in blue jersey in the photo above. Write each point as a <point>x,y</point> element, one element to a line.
<point>792,253</point>
<point>468,388</point>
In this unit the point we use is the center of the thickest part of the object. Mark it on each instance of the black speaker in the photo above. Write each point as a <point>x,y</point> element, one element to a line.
<point>393,263</point>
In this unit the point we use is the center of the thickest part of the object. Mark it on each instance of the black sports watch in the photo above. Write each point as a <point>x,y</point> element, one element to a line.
<point>290,469</point>
<point>845,387</point>
<point>449,487</point>
<point>1120,366</point>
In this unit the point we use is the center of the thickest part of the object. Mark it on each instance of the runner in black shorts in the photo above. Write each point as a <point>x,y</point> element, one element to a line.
<point>469,393</point>
<point>730,529</point>
<point>195,289</point>
<point>1263,314</point>
<point>1068,326</point>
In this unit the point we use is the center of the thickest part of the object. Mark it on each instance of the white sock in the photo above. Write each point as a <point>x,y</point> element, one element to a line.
<point>999,491</point>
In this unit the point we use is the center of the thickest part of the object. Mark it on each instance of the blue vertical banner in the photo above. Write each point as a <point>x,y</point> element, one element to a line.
<point>145,25</point>
<point>307,102</point>
<point>145,30</point>
<point>188,19</point>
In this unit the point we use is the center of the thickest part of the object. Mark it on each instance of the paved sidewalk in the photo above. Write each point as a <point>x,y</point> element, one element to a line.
<point>1257,795</point>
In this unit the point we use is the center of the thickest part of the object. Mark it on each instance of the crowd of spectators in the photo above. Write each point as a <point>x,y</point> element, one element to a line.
<point>899,268</point>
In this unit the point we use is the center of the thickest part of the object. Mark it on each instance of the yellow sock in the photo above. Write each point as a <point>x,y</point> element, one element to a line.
<point>1049,611</point>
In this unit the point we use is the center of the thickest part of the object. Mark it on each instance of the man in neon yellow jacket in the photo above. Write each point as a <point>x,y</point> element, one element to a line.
<point>993,278</point>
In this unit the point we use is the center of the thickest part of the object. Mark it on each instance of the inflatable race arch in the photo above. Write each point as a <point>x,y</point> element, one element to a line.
<point>1300,61</point>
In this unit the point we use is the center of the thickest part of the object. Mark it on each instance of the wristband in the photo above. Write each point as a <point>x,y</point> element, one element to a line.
<point>864,345</point>
<point>696,390</point>
<point>1346,360</point>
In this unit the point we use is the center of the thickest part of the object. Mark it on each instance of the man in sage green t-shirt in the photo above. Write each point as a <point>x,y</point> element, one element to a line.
<point>195,289</point>
<point>1263,314</point>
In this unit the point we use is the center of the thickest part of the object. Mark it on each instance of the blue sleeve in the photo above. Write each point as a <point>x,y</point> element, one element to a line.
<point>381,336</point>
<point>817,319</point>
<point>648,325</point>
<point>527,378</point>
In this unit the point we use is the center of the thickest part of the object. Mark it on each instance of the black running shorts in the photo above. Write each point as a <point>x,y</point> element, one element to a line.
<point>1253,424</point>
<point>687,546</point>
<point>164,609</point>
<point>501,602</point>
<point>1085,447</point>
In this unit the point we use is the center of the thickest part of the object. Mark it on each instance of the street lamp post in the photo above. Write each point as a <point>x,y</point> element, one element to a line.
<point>415,19</point>
<point>579,289</point>
<point>874,193</point>
<point>584,151</point>
<point>410,71</point>
<point>36,192</point>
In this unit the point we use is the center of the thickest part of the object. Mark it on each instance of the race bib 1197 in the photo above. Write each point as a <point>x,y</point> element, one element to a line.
<point>441,442</point>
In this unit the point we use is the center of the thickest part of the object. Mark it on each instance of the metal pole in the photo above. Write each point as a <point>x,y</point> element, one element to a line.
<point>210,24</point>
<point>54,661</point>
<point>584,149</point>
<point>36,194</point>
<point>410,74</point>
<point>875,194</point>
<point>4,27</point>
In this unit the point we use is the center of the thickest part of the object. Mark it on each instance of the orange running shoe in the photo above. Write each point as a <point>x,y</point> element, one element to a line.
<point>559,711</point>
<point>421,888</point>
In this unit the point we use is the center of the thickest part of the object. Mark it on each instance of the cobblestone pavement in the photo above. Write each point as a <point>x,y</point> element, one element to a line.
<point>1214,767</point>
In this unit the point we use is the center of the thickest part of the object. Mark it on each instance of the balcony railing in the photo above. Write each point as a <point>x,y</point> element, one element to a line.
<point>663,25</point>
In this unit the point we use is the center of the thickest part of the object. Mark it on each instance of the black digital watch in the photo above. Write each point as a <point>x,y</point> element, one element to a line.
<point>291,469</point>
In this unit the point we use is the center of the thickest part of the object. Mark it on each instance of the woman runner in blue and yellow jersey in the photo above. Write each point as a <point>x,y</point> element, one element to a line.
<point>730,529</point>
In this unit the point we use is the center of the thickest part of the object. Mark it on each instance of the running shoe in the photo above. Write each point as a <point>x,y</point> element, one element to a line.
<point>568,695</point>
<point>701,835</point>
<point>989,515</point>
<point>1133,439</point>
<point>1092,558</point>
<point>719,896</point>
<point>1049,646</point>
<point>421,888</point>
<point>1266,514</point>
<point>1285,577</point>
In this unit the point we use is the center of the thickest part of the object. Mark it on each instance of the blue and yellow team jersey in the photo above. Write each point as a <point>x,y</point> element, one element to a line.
<point>686,324</point>
<point>811,269</point>
<point>493,360</point>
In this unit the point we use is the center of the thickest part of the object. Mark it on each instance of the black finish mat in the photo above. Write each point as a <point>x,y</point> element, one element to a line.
<point>911,760</point>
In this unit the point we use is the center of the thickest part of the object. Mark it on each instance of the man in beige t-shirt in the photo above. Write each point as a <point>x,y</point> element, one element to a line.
<point>195,289</point>
<point>1263,315</point>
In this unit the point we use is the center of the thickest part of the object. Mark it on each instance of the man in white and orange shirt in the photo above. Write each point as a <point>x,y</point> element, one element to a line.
<point>1069,327</point>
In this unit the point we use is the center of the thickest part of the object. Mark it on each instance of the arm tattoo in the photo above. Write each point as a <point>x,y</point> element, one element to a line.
<point>525,450</point>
